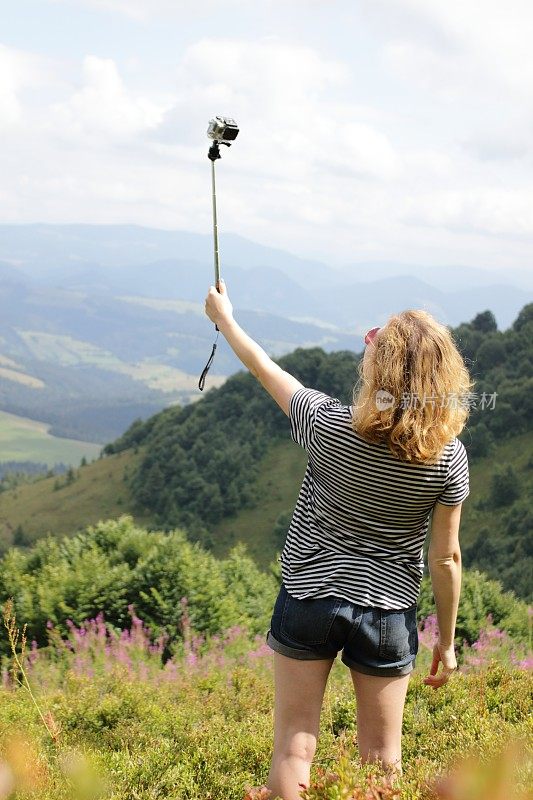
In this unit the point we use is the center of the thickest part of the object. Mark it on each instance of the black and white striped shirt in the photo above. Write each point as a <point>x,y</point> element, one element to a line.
<point>361,518</point>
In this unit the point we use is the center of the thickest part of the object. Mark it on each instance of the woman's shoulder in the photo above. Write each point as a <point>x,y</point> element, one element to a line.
<point>459,452</point>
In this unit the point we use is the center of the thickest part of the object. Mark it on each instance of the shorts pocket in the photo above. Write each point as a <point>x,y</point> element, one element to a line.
<point>398,633</point>
<point>309,621</point>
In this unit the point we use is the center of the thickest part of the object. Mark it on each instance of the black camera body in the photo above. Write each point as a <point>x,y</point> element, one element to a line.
<point>223,130</point>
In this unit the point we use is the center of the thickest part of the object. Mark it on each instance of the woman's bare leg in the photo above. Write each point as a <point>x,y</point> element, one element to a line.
<point>299,692</point>
<point>380,706</point>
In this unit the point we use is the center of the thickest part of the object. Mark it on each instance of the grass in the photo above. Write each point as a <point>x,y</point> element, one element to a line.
<point>98,492</point>
<point>278,484</point>
<point>201,727</point>
<point>23,439</point>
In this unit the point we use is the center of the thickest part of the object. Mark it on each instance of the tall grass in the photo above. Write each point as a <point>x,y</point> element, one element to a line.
<point>130,725</point>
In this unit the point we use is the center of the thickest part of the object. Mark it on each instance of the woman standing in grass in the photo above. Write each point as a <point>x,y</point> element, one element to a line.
<point>352,563</point>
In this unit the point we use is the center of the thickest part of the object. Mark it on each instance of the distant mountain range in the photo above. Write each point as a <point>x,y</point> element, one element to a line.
<point>42,249</point>
<point>97,317</point>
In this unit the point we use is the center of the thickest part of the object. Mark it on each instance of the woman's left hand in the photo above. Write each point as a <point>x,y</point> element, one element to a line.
<point>217,304</point>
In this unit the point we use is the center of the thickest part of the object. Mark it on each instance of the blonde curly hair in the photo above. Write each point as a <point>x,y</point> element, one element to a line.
<point>414,358</point>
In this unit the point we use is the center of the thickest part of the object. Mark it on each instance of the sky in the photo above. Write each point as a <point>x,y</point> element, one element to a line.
<point>396,130</point>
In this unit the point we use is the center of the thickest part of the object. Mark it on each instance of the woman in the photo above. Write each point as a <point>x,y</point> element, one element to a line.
<point>353,557</point>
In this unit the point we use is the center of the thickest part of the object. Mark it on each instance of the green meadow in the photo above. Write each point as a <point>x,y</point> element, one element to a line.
<point>23,439</point>
<point>99,491</point>
<point>168,693</point>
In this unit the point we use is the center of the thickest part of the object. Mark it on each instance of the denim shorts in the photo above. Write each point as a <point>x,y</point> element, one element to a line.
<point>375,641</point>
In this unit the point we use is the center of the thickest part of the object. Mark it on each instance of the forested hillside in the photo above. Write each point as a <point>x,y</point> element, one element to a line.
<point>225,470</point>
<point>202,462</point>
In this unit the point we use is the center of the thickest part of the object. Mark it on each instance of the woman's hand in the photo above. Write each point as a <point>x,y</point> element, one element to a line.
<point>217,304</point>
<point>446,656</point>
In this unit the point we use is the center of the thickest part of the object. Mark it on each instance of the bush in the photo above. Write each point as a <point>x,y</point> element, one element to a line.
<point>504,487</point>
<point>114,564</point>
<point>201,726</point>
<point>481,442</point>
<point>480,596</point>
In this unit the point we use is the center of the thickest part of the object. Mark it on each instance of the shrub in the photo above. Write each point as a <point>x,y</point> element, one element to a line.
<point>505,486</point>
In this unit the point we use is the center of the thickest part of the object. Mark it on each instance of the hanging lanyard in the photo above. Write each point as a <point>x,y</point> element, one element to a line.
<point>201,383</point>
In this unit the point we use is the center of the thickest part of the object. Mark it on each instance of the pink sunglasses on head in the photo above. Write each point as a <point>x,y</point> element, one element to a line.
<point>370,336</point>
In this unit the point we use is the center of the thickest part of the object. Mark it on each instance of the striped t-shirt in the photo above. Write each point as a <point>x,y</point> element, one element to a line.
<point>361,518</point>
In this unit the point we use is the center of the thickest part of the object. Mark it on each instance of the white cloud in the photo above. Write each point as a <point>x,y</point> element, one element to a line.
<point>429,159</point>
<point>485,69</point>
<point>493,35</point>
<point>144,10</point>
<point>139,10</point>
<point>18,71</point>
<point>471,64</point>
<point>490,211</point>
<point>104,107</point>
<point>288,101</point>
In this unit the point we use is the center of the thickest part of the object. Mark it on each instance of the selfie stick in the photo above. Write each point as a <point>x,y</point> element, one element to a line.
<point>214,153</point>
<point>222,130</point>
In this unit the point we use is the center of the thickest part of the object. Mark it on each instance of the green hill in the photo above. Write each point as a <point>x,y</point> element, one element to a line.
<point>496,540</point>
<point>98,491</point>
<point>225,469</point>
<point>101,491</point>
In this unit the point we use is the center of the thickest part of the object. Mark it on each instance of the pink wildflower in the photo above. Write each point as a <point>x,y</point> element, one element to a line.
<point>428,633</point>
<point>260,652</point>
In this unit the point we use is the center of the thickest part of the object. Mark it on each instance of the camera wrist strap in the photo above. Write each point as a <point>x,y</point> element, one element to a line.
<point>201,382</point>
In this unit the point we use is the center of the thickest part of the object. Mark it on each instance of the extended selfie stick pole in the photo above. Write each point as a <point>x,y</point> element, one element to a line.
<point>214,153</point>
<point>222,130</point>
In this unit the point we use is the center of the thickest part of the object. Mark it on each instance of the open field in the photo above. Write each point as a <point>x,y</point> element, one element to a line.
<point>68,351</point>
<point>98,492</point>
<point>23,439</point>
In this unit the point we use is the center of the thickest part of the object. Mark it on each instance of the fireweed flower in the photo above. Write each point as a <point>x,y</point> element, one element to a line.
<point>261,650</point>
<point>428,631</point>
<point>493,644</point>
<point>95,647</point>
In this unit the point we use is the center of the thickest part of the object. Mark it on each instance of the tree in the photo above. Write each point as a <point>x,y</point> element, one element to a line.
<point>503,421</point>
<point>153,485</point>
<point>505,486</point>
<point>19,537</point>
<point>524,318</point>
<point>231,499</point>
<point>485,322</point>
<point>281,526</point>
<point>481,441</point>
<point>491,352</point>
